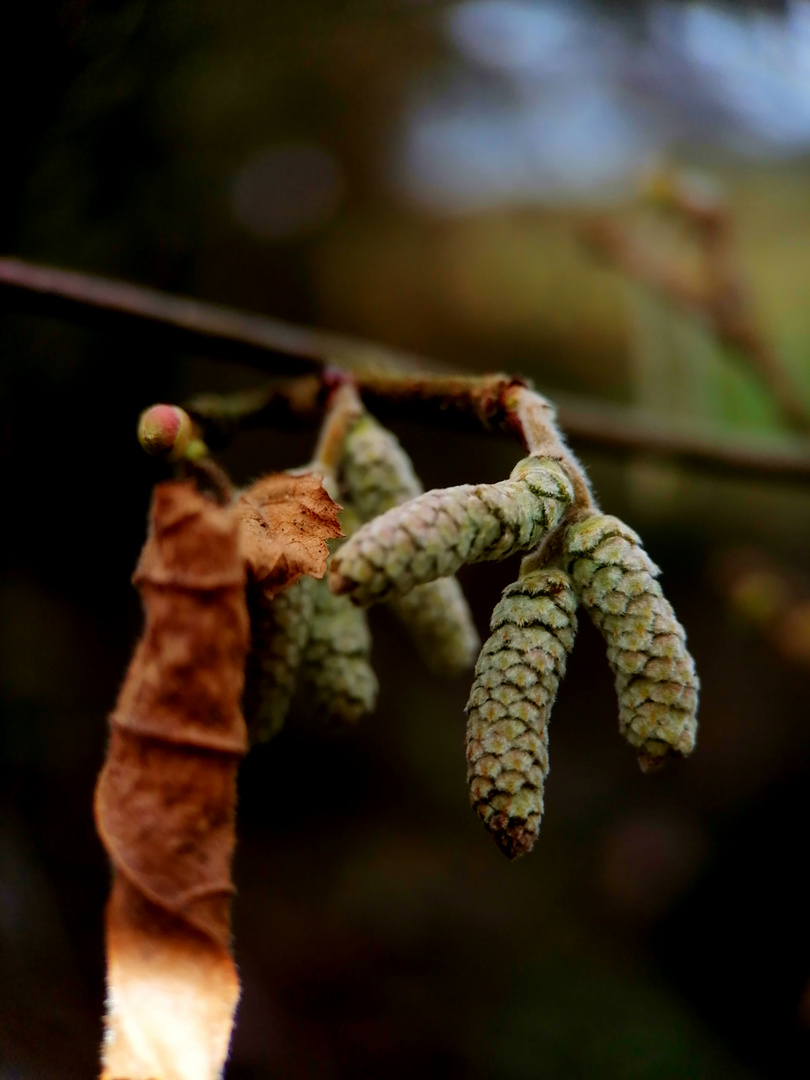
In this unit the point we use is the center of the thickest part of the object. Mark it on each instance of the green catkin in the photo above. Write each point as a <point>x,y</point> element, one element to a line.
<point>336,683</point>
<point>516,680</point>
<point>440,623</point>
<point>433,535</point>
<point>378,475</point>
<point>279,630</point>
<point>375,471</point>
<point>656,682</point>
<point>309,651</point>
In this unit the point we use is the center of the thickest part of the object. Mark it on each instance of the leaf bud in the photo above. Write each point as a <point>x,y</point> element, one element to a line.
<point>165,431</point>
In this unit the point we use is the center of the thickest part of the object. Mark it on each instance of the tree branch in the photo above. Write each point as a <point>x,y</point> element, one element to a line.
<point>468,404</point>
<point>622,430</point>
<point>271,345</point>
<point>393,385</point>
<point>720,297</point>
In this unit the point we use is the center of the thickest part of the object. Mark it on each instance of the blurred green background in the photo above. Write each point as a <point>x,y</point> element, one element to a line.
<point>416,173</point>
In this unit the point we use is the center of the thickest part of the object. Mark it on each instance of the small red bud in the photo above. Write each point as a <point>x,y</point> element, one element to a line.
<point>165,431</point>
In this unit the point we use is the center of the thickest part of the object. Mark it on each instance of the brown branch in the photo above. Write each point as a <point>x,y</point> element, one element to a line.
<point>189,325</point>
<point>720,298</point>
<point>622,430</point>
<point>457,402</point>
<point>613,242</point>
<point>468,404</point>
<point>344,410</point>
<point>535,421</point>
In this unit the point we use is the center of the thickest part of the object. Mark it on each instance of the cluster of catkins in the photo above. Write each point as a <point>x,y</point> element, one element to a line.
<point>311,648</point>
<point>311,644</point>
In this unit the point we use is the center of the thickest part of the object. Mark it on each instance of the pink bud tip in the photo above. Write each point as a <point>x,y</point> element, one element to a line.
<point>165,430</point>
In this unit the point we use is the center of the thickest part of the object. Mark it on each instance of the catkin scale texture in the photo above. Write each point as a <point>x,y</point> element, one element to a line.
<point>309,653</point>
<point>433,535</point>
<point>656,682</point>
<point>375,471</point>
<point>516,680</point>
<point>336,683</point>
<point>279,632</point>
<point>378,475</point>
<point>439,620</point>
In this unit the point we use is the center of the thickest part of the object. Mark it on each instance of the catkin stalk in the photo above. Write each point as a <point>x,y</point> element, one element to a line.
<point>433,535</point>
<point>656,682</point>
<point>516,680</point>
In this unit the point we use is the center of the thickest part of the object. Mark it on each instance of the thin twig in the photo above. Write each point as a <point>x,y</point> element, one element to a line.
<point>535,419</point>
<point>271,345</point>
<point>209,477</point>
<point>296,403</point>
<point>456,401</point>
<point>721,298</point>
<point>345,409</point>
<point>622,430</point>
<point>284,404</point>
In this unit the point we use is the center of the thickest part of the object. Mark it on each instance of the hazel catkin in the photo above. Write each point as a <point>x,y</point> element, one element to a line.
<point>656,682</point>
<point>336,682</point>
<point>433,535</point>
<point>375,472</point>
<point>440,623</point>
<point>285,521</point>
<point>279,628</point>
<point>516,680</point>
<point>377,475</point>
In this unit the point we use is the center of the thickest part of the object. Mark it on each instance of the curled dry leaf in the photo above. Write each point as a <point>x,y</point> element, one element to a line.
<point>166,800</point>
<point>284,523</point>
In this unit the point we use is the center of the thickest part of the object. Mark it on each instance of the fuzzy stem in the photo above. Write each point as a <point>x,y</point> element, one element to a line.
<point>534,417</point>
<point>345,408</point>
<point>210,478</point>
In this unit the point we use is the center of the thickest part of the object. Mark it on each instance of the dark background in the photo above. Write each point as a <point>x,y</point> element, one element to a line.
<point>414,172</point>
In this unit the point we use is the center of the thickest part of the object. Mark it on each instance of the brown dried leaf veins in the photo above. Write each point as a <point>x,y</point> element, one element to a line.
<point>284,522</point>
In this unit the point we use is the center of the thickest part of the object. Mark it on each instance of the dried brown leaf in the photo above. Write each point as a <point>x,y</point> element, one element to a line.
<point>284,523</point>
<point>166,800</point>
